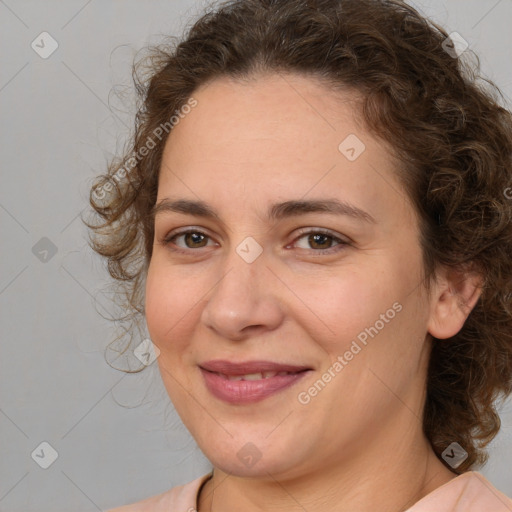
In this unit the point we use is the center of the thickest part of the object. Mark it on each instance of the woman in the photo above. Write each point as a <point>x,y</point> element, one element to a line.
<point>314,221</point>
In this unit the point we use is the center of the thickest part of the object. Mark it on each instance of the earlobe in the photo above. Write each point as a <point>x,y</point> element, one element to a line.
<point>455,294</point>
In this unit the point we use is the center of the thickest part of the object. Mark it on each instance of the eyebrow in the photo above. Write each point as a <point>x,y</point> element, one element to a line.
<point>276,211</point>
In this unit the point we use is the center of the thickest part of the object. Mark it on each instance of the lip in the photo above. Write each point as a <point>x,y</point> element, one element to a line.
<point>230,368</point>
<point>241,392</point>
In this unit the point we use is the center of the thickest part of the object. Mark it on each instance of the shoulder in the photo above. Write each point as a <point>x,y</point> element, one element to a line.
<point>181,498</point>
<point>469,492</point>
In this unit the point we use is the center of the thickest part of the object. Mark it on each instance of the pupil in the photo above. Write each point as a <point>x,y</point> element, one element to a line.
<point>194,238</point>
<point>319,239</point>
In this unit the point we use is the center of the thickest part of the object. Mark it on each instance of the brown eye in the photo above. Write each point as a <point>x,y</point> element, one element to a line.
<point>187,240</point>
<point>194,239</point>
<point>320,241</point>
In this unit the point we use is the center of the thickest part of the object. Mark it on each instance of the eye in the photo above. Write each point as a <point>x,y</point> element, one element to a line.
<point>191,238</point>
<point>320,241</point>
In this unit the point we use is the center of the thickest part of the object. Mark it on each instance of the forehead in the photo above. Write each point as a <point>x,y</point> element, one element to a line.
<point>275,135</point>
<point>272,108</point>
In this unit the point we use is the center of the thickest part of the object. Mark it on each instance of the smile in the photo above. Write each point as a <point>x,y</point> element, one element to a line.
<point>254,376</point>
<point>242,383</point>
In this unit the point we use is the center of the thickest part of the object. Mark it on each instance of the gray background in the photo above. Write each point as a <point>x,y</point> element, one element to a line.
<point>117,437</point>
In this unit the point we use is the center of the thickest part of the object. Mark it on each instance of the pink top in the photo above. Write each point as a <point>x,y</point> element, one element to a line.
<point>469,492</point>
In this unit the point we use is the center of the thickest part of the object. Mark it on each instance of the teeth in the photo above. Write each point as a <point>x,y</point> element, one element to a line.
<point>232,377</point>
<point>255,376</point>
<point>252,376</point>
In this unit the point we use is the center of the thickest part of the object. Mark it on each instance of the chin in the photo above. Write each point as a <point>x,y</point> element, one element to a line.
<point>261,458</point>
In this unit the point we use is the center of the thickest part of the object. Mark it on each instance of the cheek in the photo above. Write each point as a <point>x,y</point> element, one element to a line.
<point>169,308</point>
<point>341,307</point>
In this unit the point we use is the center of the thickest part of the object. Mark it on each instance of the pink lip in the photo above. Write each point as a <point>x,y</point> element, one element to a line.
<point>248,391</point>
<point>244,367</point>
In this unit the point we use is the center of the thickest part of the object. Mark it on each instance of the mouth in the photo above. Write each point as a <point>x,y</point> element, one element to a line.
<point>255,376</point>
<point>251,381</point>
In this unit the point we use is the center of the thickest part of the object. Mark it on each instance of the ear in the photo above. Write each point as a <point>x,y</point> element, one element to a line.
<point>453,296</point>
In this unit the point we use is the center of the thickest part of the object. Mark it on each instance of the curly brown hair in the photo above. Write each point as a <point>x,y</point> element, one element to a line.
<point>440,117</point>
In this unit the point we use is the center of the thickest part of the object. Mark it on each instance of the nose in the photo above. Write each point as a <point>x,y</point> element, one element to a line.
<point>244,301</point>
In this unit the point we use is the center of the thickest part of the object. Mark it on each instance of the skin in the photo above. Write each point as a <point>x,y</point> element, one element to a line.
<point>358,444</point>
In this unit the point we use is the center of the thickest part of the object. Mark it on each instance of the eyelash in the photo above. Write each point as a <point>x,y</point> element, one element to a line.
<point>167,240</point>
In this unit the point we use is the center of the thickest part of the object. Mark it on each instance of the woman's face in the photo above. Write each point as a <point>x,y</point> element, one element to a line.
<point>303,258</point>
